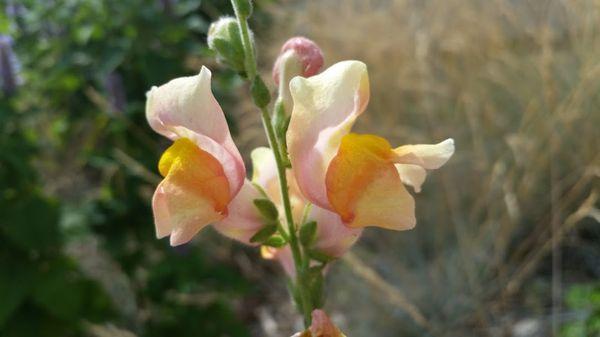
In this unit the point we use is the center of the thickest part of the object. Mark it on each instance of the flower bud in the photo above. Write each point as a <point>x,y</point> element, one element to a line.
<point>299,56</point>
<point>224,39</point>
<point>300,53</point>
<point>321,326</point>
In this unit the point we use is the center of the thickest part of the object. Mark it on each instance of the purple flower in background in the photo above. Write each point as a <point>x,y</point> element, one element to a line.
<point>9,66</point>
<point>14,10</point>
<point>116,92</point>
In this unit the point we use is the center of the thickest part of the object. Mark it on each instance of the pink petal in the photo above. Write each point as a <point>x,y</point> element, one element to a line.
<point>186,107</point>
<point>265,175</point>
<point>333,237</point>
<point>243,220</point>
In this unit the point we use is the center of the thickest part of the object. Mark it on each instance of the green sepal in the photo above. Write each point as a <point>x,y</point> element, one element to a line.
<point>260,190</point>
<point>279,117</point>
<point>293,290</point>
<point>315,286</point>
<point>280,124</point>
<point>276,241</point>
<point>267,209</point>
<point>260,93</point>
<point>264,233</point>
<point>319,256</point>
<point>308,232</point>
<point>227,54</point>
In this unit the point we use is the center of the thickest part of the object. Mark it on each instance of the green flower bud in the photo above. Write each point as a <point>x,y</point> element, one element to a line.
<point>224,39</point>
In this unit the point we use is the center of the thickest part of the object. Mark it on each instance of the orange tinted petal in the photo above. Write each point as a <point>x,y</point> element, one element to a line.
<point>195,170</point>
<point>325,108</point>
<point>194,193</point>
<point>363,185</point>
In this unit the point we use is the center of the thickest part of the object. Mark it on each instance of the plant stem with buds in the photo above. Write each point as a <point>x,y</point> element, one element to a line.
<point>301,261</point>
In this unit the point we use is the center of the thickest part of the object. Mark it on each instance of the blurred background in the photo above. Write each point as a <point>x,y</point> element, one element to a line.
<point>508,234</point>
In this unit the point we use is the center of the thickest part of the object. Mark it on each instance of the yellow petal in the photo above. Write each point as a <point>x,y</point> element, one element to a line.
<point>363,185</point>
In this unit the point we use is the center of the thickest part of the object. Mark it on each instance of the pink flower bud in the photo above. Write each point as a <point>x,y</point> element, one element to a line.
<point>306,52</point>
<point>321,327</point>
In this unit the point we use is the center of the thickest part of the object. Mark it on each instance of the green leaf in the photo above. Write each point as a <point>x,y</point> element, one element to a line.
<point>275,241</point>
<point>260,189</point>
<point>267,209</point>
<point>260,93</point>
<point>32,224</point>
<point>308,233</point>
<point>264,233</point>
<point>320,256</point>
<point>16,278</point>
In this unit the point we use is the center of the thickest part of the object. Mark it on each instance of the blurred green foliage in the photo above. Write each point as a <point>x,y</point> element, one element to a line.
<point>74,153</point>
<point>584,299</point>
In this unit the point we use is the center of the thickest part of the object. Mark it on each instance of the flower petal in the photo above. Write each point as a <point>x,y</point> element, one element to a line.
<point>412,175</point>
<point>428,156</point>
<point>283,256</point>
<point>194,193</point>
<point>264,168</point>
<point>266,176</point>
<point>364,187</point>
<point>325,108</point>
<point>186,107</point>
<point>243,219</point>
<point>333,237</point>
<point>322,326</point>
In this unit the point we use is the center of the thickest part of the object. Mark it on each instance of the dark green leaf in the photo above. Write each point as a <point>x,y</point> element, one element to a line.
<point>320,256</point>
<point>267,209</point>
<point>32,224</point>
<point>264,233</point>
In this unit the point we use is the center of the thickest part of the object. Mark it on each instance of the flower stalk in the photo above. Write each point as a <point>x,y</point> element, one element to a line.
<point>301,261</point>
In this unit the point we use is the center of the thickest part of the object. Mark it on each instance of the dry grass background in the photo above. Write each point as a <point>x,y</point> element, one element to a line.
<point>505,227</point>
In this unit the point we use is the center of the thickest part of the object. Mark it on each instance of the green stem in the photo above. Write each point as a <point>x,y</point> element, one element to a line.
<point>249,57</point>
<point>301,262</point>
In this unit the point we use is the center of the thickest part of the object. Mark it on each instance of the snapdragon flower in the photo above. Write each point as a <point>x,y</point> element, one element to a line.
<point>359,177</point>
<point>204,174</point>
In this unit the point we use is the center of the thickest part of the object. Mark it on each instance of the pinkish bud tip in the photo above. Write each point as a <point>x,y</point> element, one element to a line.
<point>309,54</point>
